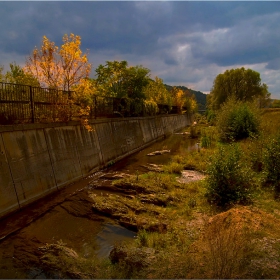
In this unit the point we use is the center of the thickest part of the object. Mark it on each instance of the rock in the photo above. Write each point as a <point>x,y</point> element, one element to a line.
<point>114,176</point>
<point>80,205</point>
<point>137,258</point>
<point>158,153</point>
<point>131,188</point>
<point>190,176</point>
<point>153,167</point>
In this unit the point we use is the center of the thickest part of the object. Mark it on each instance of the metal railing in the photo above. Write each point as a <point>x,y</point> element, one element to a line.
<point>27,104</point>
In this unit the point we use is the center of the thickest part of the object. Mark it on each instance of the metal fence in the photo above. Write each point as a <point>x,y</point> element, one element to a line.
<point>27,104</point>
<point>24,104</point>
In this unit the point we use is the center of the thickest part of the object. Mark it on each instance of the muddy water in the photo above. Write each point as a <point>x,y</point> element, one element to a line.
<point>58,219</point>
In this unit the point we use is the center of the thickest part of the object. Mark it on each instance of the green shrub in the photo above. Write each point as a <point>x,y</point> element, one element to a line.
<point>238,120</point>
<point>228,181</point>
<point>210,116</point>
<point>208,137</point>
<point>272,162</point>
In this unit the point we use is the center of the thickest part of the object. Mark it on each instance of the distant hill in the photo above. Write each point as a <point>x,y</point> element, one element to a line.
<point>200,96</point>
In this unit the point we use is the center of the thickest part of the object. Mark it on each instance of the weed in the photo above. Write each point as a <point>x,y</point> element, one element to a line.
<point>192,202</point>
<point>228,181</point>
<point>142,238</point>
<point>173,167</point>
<point>227,250</point>
<point>272,162</point>
<point>209,136</point>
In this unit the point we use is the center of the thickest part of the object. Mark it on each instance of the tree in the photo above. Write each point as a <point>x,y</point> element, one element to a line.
<point>275,103</point>
<point>178,98</point>
<point>244,84</point>
<point>137,78</point>
<point>59,68</point>
<point>110,78</point>
<point>157,92</point>
<point>1,73</point>
<point>116,79</point>
<point>191,104</point>
<point>16,75</point>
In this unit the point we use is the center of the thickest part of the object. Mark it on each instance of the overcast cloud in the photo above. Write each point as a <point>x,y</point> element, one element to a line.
<point>184,43</point>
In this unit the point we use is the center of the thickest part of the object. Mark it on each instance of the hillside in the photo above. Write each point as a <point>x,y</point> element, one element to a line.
<point>200,96</point>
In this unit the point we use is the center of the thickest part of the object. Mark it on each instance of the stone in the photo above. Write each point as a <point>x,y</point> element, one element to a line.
<point>137,258</point>
<point>158,153</point>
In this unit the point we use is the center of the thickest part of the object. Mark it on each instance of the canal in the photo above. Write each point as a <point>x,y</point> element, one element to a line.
<point>66,216</point>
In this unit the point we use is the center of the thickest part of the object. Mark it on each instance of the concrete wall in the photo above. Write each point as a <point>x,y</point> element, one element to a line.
<point>37,159</point>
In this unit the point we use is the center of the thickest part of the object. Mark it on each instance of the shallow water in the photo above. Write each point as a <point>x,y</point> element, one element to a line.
<point>48,222</point>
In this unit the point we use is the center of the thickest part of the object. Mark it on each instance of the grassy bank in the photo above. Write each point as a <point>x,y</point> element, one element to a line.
<point>188,230</point>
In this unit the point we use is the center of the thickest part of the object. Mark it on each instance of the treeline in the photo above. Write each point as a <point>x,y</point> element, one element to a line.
<point>67,68</point>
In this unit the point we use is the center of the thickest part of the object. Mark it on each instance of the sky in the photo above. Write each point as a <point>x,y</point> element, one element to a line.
<point>185,43</point>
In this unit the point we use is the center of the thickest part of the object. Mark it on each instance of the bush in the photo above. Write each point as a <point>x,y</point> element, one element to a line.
<point>272,162</point>
<point>229,182</point>
<point>150,108</point>
<point>238,120</point>
<point>208,137</point>
<point>210,116</point>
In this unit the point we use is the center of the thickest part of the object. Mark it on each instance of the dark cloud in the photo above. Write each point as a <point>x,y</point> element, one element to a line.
<point>188,42</point>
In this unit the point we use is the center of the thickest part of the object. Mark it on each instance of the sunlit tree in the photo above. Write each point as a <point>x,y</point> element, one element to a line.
<point>1,73</point>
<point>117,79</point>
<point>110,78</point>
<point>157,92</point>
<point>178,98</point>
<point>59,68</point>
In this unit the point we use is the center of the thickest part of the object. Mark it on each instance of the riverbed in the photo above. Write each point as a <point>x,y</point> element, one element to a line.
<point>58,218</point>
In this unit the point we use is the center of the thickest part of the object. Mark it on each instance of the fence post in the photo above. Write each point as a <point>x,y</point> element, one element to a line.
<point>95,107</point>
<point>70,104</point>
<point>32,105</point>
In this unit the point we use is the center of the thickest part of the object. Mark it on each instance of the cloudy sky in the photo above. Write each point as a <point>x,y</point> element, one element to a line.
<point>184,42</point>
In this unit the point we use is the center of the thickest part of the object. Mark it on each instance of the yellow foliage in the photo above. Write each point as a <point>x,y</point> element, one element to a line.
<point>59,68</point>
<point>64,68</point>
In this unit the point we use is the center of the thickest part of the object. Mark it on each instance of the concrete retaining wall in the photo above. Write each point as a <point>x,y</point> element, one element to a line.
<point>37,159</point>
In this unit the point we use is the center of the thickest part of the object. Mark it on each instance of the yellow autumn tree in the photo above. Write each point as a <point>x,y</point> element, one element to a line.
<point>65,68</point>
<point>59,68</point>
<point>178,98</point>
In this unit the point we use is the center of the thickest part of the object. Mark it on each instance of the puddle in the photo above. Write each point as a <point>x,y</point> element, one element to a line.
<point>110,235</point>
<point>87,237</point>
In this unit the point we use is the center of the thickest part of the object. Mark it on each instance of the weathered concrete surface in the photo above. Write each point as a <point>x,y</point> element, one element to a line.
<point>8,198</point>
<point>29,164</point>
<point>40,158</point>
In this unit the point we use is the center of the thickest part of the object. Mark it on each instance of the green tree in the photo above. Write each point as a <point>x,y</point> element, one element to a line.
<point>244,84</point>
<point>110,77</point>
<point>16,75</point>
<point>116,79</point>
<point>275,103</point>
<point>137,78</point>
<point>157,92</point>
